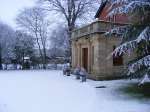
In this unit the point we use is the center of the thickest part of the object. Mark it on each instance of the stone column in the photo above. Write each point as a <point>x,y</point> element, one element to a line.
<point>89,56</point>
<point>79,55</point>
<point>73,54</point>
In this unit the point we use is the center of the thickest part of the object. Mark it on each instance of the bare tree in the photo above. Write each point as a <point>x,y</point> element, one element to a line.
<point>35,22</point>
<point>24,47</point>
<point>72,10</point>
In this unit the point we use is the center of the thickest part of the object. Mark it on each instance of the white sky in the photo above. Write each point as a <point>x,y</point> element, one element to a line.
<point>10,8</point>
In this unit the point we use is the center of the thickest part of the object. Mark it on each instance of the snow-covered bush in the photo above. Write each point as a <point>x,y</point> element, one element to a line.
<point>136,35</point>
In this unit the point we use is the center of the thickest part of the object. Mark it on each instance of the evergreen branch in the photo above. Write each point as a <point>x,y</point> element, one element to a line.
<point>131,45</point>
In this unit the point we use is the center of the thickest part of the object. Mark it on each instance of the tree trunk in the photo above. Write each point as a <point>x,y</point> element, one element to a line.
<point>44,51</point>
<point>1,58</point>
<point>23,67</point>
<point>39,47</point>
<point>44,58</point>
<point>70,29</point>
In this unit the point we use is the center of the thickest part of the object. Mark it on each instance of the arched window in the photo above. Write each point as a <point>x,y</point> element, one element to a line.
<point>118,59</point>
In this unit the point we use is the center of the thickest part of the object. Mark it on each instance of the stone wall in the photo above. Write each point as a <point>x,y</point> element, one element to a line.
<point>99,66</point>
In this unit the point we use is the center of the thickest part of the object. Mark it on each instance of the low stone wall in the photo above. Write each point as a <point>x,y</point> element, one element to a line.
<point>98,77</point>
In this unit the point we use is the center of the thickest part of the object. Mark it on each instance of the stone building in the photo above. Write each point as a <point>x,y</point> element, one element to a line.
<point>91,47</point>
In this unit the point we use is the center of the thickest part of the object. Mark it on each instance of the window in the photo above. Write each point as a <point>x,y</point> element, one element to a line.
<point>114,18</point>
<point>109,19</point>
<point>118,59</point>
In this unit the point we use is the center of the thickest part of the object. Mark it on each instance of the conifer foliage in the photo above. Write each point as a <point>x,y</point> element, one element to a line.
<point>136,35</point>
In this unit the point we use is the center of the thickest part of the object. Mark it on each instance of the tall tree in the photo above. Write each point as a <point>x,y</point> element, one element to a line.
<point>136,35</point>
<point>72,10</point>
<point>7,36</point>
<point>34,21</point>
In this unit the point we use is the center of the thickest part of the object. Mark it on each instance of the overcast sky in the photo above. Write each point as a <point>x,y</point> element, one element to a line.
<point>10,8</point>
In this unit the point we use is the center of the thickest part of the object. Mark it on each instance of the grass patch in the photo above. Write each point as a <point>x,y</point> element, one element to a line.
<point>136,91</point>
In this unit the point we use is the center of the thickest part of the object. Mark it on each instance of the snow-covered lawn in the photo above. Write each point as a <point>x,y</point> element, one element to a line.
<point>113,100</point>
<point>50,91</point>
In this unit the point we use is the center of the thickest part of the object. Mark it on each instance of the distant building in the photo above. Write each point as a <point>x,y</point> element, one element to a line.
<point>90,47</point>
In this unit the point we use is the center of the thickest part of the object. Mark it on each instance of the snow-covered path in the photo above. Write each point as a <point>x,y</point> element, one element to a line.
<point>50,91</point>
<point>44,91</point>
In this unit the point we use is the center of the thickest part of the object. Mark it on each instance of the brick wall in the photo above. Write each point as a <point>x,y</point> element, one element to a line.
<point>118,18</point>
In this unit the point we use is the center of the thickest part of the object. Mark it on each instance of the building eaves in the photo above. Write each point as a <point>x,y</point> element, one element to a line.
<point>98,13</point>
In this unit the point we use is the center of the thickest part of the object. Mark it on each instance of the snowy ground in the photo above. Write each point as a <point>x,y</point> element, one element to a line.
<point>113,100</point>
<point>50,91</point>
